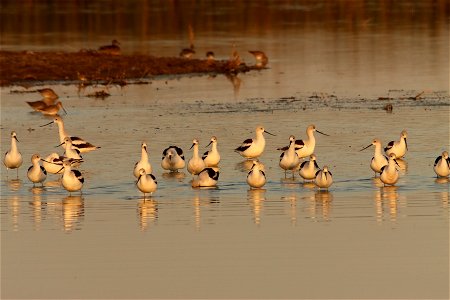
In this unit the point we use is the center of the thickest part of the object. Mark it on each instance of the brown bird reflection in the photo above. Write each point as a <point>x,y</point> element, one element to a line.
<point>256,198</point>
<point>147,213</point>
<point>386,198</point>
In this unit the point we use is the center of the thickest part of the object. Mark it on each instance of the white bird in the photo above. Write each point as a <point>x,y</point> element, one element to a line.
<point>143,163</point>
<point>289,159</point>
<point>389,173</point>
<point>208,177</point>
<point>146,183</point>
<point>442,165</point>
<point>72,180</point>
<point>196,163</point>
<point>77,142</point>
<point>256,178</point>
<point>253,148</point>
<point>378,160</point>
<point>53,163</point>
<point>70,150</point>
<point>173,159</point>
<point>324,178</point>
<point>308,169</point>
<point>13,158</point>
<point>399,147</point>
<point>305,148</point>
<point>36,173</point>
<point>212,157</point>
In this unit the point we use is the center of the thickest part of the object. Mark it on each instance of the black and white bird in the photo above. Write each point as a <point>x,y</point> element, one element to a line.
<point>36,173</point>
<point>442,165</point>
<point>208,177</point>
<point>146,183</point>
<point>173,159</point>
<point>253,148</point>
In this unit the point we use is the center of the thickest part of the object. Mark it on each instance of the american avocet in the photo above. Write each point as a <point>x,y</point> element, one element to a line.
<point>53,162</point>
<point>256,178</point>
<point>196,163</point>
<point>113,49</point>
<point>289,159</point>
<point>52,110</point>
<point>378,160</point>
<point>399,147</point>
<point>48,93</point>
<point>173,159</point>
<point>260,57</point>
<point>305,148</point>
<point>308,169</point>
<point>146,183</point>
<point>253,148</point>
<point>208,177</point>
<point>77,142</point>
<point>143,163</point>
<point>442,165</point>
<point>212,157</point>
<point>324,178</point>
<point>36,173</point>
<point>70,150</point>
<point>389,173</point>
<point>13,158</point>
<point>72,180</point>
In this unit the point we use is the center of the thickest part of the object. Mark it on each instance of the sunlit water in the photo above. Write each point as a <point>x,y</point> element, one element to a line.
<point>288,240</point>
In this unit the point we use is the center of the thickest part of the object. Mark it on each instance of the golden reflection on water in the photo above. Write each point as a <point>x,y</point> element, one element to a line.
<point>14,208</point>
<point>256,198</point>
<point>323,200</point>
<point>14,184</point>
<point>72,212</point>
<point>387,199</point>
<point>38,206</point>
<point>147,213</point>
<point>292,213</point>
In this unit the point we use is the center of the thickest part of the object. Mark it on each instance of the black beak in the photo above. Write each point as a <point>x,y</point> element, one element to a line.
<point>396,163</point>
<point>406,144</point>
<point>365,148</point>
<point>59,145</point>
<point>269,133</point>
<point>47,124</point>
<point>64,109</point>
<point>16,138</point>
<point>60,170</point>
<point>192,146</point>
<point>322,132</point>
<point>139,178</point>
<point>208,144</point>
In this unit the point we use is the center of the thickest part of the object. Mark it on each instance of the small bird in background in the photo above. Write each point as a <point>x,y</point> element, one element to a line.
<point>261,58</point>
<point>210,56</point>
<point>189,52</point>
<point>113,49</point>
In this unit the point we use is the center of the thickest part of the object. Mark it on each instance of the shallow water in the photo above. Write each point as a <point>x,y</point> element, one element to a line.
<point>358,240</point>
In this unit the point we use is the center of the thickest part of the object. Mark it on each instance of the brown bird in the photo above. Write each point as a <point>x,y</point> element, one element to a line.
<point>113,49</point>
<point>48,94</point>
<point>52,110</point>
<point>187,52</point>
<point>260,57</point>
<point>49,98</point>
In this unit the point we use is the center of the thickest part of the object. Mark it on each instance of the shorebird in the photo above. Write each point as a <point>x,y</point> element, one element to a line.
<point>389,173</point>
<point>196,163</point>
<point>52,110</point>
<point>210,56</point>
<point>41,104</point>
<point>305,148</point>
<point>173,159</point>
<point>208,177</point>
<point>378,160</point>
<point>113,49</point>
<point>289,159</point>
<point>399,147</point>
<point>212,157</point>
<point>324,178</point>
<point>53,163</point>
<point>253,148</point>
<point>70,151</point>
<point>77,142</point>
<point>442,165</point>
<point>48,93</point>
<point>256,178</point>
<point>308,169</point>
<point>143,163</point>
<point>146,183</point>
<point>13,158</point>
<point>187,52</point>
<point>72,180</point>
<point>36,173</point>
<point>260,57</point>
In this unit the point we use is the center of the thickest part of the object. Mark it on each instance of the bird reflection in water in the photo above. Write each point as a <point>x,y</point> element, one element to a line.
<point>236,82</point>
<point>402,165</point>
<point>386,196</point>
<point>179,176</point>
<point>256,198</point>
<point>14,184</point>
<point>37,205</point>
<point>147,212</point>
<point>292,199</point>
<point>444,200</point>
<point>322,201</point>
<point>72,212</point>
<point>14,208</point>
<point>203,198</point>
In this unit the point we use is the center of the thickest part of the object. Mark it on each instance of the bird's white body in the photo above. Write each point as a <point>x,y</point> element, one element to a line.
<point>146,183</point>
<point>208,177</point>
<point>442,165</point>
<point>173,159</point>
<point>256,178</point>
<point>389,173</point>
<point>36,173</point>
<point>212,157</point>
<point>308,169</point>
<point>143,163</point>
<point>309,145</point>
<point>13,159</point>
<point>378,160</point>
<point>196,163</point>
<point>324,178</point>
<point>253,148</point>
<point>289,159</point>
<point>70,150</point>
<point>399,147</point>
<point>72,180</point>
